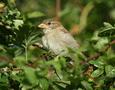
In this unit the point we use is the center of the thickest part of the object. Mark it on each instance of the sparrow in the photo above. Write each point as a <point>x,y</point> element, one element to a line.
<point>56,38</point>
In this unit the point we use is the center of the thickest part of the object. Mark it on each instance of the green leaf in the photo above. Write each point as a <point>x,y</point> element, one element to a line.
<point>95,36</point>
<point>20,61</point>
<point>35,14</point>
<point>101,43</point>
<point>3,78</point>
<point>30,75</point>
<point>3,63</point>
<point>44,84</point>
<point>55,63</point>
<point>97,72</point>
<point>108,30</point>
<point>15,75</point>
<point>63,83</point>
<point>106,24</point>
<point>31,39</point>
<point>86,85</point>
<point>98,64</point>
<point>19,51</point>
<point>18,23</point>
<point>80,89</point>
<point>110,71</point>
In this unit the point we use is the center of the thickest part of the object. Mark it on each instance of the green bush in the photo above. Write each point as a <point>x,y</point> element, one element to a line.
<point>25,67</point>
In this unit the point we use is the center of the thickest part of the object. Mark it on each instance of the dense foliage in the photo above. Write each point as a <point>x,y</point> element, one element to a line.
<point>27,67</point>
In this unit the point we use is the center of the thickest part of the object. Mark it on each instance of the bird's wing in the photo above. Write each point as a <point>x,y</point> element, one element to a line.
<point>68,39</point>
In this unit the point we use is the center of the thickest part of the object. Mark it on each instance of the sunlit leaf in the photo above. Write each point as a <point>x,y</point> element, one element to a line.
<point>97,72</point>
<point>108,30</point>
<point>110,71</point>
<point>18,23</point>
<point>101,43</point>
<point>98,64</point>
<point>44,84</point>
<point>86,85</point>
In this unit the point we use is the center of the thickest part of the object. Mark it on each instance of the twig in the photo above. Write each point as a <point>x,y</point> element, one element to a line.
<point>57,74</point>
<point>55,71</point>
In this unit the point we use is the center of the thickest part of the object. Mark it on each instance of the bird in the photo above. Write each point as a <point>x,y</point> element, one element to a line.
<point>56,38</point>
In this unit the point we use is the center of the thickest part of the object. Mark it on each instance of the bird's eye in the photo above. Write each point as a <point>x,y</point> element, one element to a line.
<point>49,23</point>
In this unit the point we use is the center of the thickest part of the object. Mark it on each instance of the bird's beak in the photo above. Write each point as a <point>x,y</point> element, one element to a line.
<point>43,26</point>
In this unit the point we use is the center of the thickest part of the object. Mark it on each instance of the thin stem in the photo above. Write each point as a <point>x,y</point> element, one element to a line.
<point>26,51</point>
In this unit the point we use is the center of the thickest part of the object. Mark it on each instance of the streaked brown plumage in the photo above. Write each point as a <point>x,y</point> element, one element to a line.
<point>56,38</point>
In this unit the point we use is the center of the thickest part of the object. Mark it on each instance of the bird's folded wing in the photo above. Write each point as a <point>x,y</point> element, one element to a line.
<point>68,39</point>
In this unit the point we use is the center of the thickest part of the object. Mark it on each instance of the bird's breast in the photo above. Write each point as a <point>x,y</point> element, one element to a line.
<point>54,43</point>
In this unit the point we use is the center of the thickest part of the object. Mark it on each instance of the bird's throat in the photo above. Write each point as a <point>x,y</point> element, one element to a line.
<point>46,31</point>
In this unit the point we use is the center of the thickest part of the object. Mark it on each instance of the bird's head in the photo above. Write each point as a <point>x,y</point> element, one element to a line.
<point>49,24</point>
